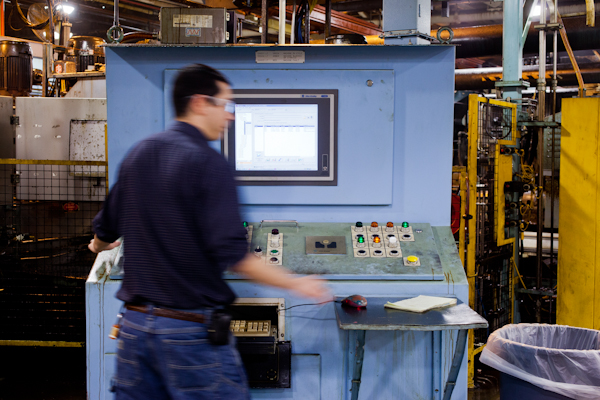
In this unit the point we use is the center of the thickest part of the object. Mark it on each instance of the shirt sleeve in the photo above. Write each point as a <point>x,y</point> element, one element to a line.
<point>106,222</point>
<point>222,234</point>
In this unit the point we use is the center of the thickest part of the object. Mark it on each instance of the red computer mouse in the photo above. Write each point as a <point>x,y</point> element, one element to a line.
<point>356,301</point>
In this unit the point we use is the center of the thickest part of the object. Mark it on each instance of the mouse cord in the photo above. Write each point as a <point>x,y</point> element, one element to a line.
<point>310,304</point>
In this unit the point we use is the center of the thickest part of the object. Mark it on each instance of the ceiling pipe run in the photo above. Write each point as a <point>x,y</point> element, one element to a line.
<point>484,78</point>
<point>487,40</point>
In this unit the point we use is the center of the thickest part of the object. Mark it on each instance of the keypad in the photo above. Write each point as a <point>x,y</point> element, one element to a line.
<point>241,327</point>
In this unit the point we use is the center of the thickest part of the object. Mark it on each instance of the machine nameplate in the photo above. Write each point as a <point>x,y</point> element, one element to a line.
<point>325,245</point>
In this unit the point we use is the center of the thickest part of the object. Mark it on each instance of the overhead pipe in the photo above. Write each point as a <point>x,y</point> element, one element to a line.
<point>567,44</point>
<point>590,13</point>
<point>485,78</point>
<point>487,40</point>
<point>264,22</point>
<point>2,18</point>
<point>553,140</point>
<point>281,22</point>
<point>541,94</point>
<point>481,18</point>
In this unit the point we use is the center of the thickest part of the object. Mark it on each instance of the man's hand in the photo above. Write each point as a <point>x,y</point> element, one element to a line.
<point>96,245</point>
<point>312,287</point>
<point>273,275</point>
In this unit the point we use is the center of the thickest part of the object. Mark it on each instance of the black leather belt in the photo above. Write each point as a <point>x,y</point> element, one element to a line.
<point>165,312</point>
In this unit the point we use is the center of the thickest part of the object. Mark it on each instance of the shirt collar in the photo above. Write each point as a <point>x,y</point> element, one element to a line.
<point>189,130</point>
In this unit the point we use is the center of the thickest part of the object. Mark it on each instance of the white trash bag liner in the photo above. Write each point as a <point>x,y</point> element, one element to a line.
<point>557,358</point>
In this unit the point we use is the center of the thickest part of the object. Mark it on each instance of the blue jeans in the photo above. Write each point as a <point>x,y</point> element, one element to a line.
<point>165,358</point>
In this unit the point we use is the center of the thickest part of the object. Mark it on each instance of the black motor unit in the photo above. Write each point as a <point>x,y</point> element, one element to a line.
<point>15,68</point>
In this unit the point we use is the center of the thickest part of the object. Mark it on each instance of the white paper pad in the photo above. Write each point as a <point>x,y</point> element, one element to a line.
<point>421,303</point>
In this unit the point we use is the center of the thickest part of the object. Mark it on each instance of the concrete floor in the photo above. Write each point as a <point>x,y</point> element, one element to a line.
<point>42,373</point>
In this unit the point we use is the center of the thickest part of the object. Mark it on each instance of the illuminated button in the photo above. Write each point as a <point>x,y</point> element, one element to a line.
<point>360,239</point>
<point>273,260</point>
<point>405,227</point>
<point>274,252</point>
<point>412,259</point>
<point>275,232</point>
<point>245,224</point>
<point>374,227</point>
<point>393,241</point>
<point>376,239</point>
<point>390,224</point>
<point>359,224</point>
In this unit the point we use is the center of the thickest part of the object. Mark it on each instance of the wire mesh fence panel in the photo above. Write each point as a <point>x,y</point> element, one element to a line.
<point>46,213</point>
<point>492,285</point>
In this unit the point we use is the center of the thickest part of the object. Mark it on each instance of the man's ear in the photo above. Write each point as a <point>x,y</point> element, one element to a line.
<point>197,104</point>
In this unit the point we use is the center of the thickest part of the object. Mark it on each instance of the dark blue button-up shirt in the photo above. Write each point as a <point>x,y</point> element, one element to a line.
<point>175,204</point>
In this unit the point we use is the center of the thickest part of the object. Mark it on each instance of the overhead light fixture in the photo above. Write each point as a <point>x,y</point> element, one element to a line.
<point>67,9</point>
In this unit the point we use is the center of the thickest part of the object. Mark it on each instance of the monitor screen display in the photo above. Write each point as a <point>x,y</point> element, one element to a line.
<point>283,137</point>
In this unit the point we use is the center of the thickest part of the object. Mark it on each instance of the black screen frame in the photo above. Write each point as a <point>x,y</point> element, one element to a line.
<point>326,173</point>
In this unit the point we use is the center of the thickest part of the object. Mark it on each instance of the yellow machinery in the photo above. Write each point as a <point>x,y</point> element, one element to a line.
<point>492,127</point>
<point>579,224</point>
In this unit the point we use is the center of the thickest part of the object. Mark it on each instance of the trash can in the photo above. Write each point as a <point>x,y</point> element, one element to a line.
<point>541,362</point>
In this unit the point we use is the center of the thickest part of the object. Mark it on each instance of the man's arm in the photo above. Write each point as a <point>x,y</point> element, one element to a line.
<point>306,286</point>
<point>96,245</point>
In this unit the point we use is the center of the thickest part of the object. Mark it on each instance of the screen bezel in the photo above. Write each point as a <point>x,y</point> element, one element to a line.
<point>326,173</point>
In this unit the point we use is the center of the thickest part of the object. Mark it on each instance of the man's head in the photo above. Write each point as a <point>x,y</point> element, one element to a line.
<point>202,97</point>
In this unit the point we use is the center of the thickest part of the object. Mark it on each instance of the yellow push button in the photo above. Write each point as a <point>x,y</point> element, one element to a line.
<point>412,259</point>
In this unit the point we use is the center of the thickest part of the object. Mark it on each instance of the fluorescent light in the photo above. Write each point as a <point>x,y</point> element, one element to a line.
<point>535,11</point>
<point>56,35</point>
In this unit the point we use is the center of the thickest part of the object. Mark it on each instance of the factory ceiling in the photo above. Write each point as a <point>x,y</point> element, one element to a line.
<point>477,26</point>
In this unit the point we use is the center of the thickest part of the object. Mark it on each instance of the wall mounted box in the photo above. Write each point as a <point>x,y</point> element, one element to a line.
<point>193,25</point>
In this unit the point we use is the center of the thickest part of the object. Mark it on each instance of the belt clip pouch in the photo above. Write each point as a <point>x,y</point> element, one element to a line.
<point>218,330</point>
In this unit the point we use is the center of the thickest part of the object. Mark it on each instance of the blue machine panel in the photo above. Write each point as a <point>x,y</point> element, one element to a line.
<point>395,158</point>
<point>423,96</point>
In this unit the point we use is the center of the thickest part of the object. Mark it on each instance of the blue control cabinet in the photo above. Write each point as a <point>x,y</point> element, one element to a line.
<point>394,162</point>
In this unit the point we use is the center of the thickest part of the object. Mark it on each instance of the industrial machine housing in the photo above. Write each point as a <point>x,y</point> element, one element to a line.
<point>395,114</point>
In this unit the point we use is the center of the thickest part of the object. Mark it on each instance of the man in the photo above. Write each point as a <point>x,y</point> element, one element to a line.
<point>175,202</point>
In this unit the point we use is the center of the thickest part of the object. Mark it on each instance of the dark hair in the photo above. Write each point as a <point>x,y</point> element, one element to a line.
<point>195,79</point>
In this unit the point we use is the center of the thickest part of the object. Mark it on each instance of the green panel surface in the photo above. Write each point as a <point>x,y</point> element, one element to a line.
<point>347,266</point>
